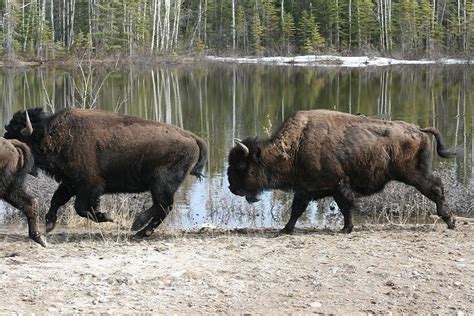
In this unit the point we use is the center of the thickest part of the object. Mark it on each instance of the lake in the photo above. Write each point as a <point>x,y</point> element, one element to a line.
<point>220,102</point>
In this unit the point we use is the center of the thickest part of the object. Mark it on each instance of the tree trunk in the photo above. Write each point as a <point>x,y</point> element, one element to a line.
<point>72,14</point>
<point>350,25</point>
<point>23,25</point>
<point>10,28</point>
<point>177,16</point>
<point>465,33</point>
<point>42,22</point>
<point>233,25</point>
<point>205,22</point>
<point>459,18</point>
<point>381,17</point>
<point>63,24</point>
<point>282,14</point>
<point>51,12</point>
<point>337,25</point>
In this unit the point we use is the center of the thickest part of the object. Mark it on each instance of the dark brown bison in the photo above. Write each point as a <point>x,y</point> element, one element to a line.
<point>325,153</point>
<point>16,161</point>
<point>92,152</point>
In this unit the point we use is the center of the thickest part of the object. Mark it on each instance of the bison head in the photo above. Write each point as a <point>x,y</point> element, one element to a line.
<point>246,171</point>
<point>23,124</point>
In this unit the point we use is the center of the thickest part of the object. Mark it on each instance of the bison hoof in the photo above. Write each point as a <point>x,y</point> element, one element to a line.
<point>450,221</point>
<point>100,217</point>
<point>36,237</point>
<point>50,225</point>
<point>143,233</point>
<point>347,229</point>
<point>141,221</point>
<point>283,232</point>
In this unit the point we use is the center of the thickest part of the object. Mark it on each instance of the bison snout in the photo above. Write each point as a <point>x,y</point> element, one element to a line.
<point>236,191</point>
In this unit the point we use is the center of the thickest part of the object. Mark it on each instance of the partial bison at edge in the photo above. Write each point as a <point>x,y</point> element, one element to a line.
<point>16,161</point>
<point>92,152</point>
<point>326,153</point>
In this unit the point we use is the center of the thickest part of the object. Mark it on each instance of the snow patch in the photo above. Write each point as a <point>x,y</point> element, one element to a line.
<point>336,61</point>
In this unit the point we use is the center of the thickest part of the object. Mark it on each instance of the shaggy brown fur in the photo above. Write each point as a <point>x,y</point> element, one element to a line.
<point>325,153</point>
<point>92,152</point>
<point>16,161</point>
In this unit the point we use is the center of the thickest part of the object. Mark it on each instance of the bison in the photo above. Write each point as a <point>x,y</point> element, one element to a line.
<point>16,161</point>
<point>324,153</point>
<point>93,152</point>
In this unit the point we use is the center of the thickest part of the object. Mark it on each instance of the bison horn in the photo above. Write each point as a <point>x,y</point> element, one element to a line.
<point>242,145</point>
<point>28,130</point>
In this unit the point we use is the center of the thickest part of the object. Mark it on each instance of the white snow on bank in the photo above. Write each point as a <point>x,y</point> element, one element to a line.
<point>336,61</point>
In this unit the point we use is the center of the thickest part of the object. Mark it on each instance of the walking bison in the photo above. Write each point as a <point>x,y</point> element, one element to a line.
<point>326,153</point>
<point>92,152</point>
<point>16,161</point>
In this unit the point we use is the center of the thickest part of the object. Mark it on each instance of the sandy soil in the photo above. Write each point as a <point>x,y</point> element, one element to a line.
<point>376,269</point>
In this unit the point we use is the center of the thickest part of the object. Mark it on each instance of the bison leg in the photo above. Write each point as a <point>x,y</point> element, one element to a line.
<point>27,204</point>
<point>166,183</point>
<point>432,187</point>
<point>62,195</point>
<point>159,212</point>
<point>143,219</point>
<point>87,204</point>
<point>99,216</point>
<point>162,192</point>
<point>299,205</point>
<point>345,199</point>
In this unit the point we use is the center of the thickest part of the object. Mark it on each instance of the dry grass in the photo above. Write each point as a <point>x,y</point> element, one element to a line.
<point>398,204</point>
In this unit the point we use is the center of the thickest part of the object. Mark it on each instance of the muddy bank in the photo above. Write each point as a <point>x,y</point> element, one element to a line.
<point>377,269</point>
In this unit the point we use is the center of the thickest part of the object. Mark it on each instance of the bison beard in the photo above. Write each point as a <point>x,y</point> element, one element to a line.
<point>93,152</point>
<point>16,161</point>
<point>326,153</point>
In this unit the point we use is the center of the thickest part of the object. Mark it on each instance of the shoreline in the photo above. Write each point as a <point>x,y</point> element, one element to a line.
<point>301,61</point>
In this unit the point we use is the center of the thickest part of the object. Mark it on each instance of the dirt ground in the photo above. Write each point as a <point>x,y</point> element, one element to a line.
<point>376,269</point>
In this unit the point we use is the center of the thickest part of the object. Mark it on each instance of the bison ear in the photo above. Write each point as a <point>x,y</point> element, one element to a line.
<point>256,153</point>
<point>37,112</point>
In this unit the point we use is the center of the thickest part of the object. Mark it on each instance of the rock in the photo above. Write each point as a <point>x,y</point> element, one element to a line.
<point>316,305</point>
<point>103,299</point>
<point>390,283</point>
<point>178,274</point>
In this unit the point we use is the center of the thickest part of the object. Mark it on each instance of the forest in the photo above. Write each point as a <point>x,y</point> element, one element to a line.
<point>60,29</point>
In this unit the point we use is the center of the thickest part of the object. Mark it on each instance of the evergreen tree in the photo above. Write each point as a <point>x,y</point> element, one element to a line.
<point>366,23</point>
<point>270,24</point>
<point>289,30</point>
<point>52,28</point>
<point>241,28</point>
<point>424,26</point>
<point>408,25</point>
<point>311,40</point>
<point>257,32</point>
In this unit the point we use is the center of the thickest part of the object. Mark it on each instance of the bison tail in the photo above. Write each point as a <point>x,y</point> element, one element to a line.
<point>440,146</point>
<point>199,167</point>
<point>27,161</point>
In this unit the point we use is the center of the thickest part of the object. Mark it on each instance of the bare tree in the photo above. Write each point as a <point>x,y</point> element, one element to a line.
<point>233,25</point>
<point>9,21</point>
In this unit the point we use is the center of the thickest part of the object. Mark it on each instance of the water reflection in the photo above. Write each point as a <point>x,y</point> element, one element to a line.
<point>220,102</point>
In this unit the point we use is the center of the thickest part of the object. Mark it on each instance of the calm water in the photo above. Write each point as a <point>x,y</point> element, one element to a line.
<point>220,102</point>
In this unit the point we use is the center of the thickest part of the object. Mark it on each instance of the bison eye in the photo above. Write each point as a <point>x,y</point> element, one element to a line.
<point>241,166</point>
